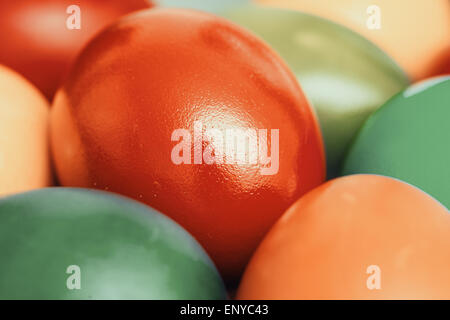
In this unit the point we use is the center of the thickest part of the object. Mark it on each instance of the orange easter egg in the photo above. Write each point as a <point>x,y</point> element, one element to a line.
<point>24,160</point>
<point>415,33</point>
<point>357,237</point>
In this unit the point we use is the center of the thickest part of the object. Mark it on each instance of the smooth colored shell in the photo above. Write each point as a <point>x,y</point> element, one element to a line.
<point>408,138</point>
<point>37,42</point>
<point>415,33</point>
<point>344,76</point>
<point>357,237</point>
<point>24,152</point>
<point>149,75</point>
<point>51,240</point>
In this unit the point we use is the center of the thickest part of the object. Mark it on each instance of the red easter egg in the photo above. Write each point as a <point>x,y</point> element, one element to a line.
<point>41,38</point>
<point>155,108</point>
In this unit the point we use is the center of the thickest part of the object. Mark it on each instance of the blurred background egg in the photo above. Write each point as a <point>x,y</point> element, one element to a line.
<point>36,39</point>
<point>415,33</point>
<point>357,237</point>
<point>409,138</point>
<point>24,154</point>
<point>345,76</point>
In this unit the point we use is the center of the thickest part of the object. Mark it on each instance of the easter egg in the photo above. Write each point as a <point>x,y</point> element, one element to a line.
<point>41,38</point>
<point>415,33</point>
<point>67,243</point>
<point>408,138</point>
<point>344,76</point>
<point>24,152</point>
<point>356,237</point>
<point>194,116</point>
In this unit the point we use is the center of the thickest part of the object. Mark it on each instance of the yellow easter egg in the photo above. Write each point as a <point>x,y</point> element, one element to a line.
<point>24,155</point>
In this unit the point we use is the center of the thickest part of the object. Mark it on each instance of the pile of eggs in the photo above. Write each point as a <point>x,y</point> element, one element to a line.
<point>225,149</point>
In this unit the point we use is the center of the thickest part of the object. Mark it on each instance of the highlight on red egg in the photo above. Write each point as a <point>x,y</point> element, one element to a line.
<point>224,155</point>
<point>233,146</point>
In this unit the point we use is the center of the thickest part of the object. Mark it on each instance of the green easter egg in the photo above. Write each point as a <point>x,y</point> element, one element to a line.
<point>64,243</point>
<point>409,139</point>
